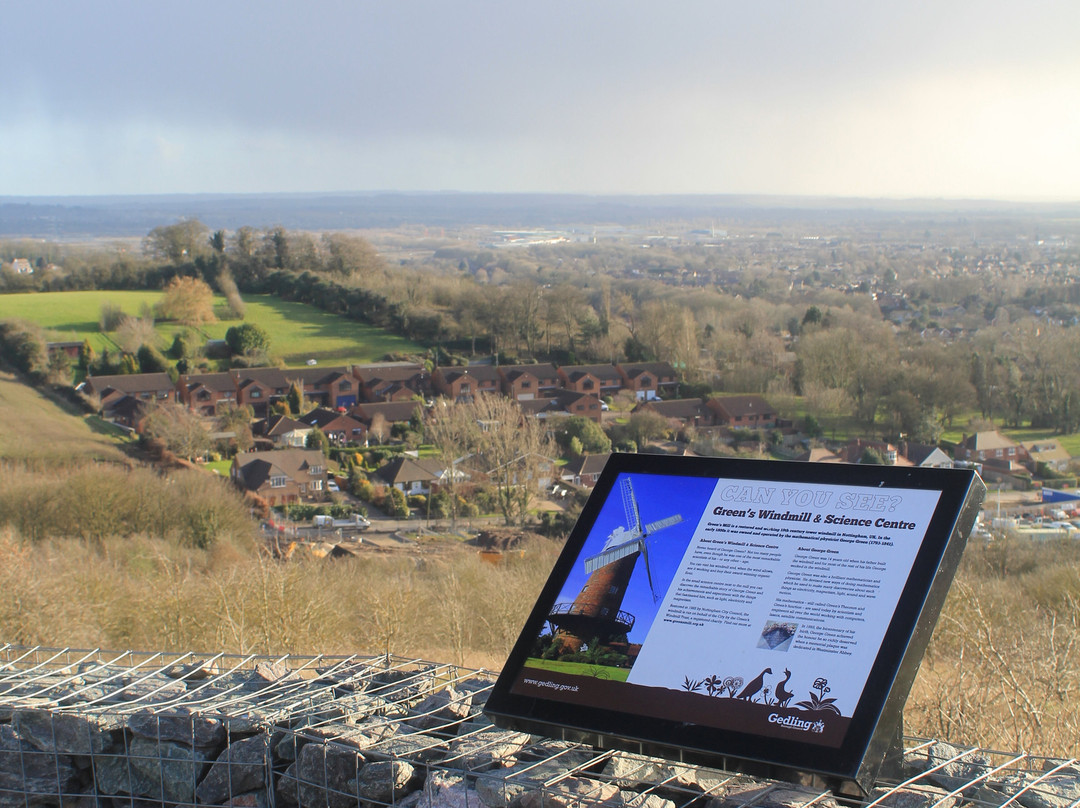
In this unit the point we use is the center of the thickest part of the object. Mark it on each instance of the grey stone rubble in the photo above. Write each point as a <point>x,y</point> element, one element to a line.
<point>368,732</point>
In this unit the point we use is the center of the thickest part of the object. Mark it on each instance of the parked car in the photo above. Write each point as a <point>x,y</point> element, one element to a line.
<point>332,487</point>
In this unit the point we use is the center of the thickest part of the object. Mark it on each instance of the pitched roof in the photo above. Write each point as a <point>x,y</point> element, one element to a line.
<point>587,464</point>
<point>541,370</point>
<point>273,378</point>
<point>634,369</point>
<point>392,411</point>
<point>917,453</point>
<point>256,468</point>
<point>218,382</point>
<point>986,441</point>
<point>277,425</point>
<point>733,406</point>
<point>482,373</point>
<point>376,367</point>
<point>131,382</point>
<point>1046,450</point>
<point>316,376</point>
<point>404,469</point>
<point>602,372</point>
<point>322,418</point>
<point>682,408</point>
<point>486,373</point>
<point>127,407</point>
<point>377,375</point>
<point>560,402</point>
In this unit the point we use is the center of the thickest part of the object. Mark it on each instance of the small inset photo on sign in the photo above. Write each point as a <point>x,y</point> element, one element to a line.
<point>777,636</point>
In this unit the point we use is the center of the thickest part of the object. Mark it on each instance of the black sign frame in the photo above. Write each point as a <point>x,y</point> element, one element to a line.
<point>875,722</point>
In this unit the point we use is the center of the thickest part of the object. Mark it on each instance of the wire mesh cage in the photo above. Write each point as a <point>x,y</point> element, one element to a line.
<point>93,728</point>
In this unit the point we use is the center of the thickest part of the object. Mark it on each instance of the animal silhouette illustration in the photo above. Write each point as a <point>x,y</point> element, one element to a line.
<point>783,695</point>
<point>753,686</point>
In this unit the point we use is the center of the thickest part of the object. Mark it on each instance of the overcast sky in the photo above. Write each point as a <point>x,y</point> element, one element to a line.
<point>941,98</point>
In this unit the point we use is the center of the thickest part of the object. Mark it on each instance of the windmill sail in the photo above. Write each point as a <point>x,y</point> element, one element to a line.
<point>610,554</point>
<point>660,524</point>
<point>629,540</point>
<point>630,506</point>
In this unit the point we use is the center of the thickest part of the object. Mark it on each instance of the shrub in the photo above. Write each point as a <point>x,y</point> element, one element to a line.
<point>394,503</point>
<point>111,316</point>
<point>363,489</point>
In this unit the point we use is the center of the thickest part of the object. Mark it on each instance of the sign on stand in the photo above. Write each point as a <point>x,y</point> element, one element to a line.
<point>760,616</point>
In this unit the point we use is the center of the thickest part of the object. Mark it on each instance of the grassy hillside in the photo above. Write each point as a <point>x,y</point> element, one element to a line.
<point>298,332</point>
<point>36,429</point>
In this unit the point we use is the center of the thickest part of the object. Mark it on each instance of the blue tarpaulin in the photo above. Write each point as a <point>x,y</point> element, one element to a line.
<point>1053,495</point>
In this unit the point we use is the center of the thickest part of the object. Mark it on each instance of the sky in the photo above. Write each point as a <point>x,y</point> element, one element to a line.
<point>935,99</point>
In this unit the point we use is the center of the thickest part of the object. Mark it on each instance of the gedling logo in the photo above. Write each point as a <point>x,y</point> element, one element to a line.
<point>790,721</point>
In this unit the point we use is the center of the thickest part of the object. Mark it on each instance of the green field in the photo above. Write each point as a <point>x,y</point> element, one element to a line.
<point>298,332</point>
<point>579,669</point>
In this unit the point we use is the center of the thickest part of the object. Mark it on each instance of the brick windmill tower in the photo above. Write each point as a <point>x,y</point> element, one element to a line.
<point>596,611</point>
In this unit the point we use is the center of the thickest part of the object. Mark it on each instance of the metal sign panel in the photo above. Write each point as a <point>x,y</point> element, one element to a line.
<point>769,616</point>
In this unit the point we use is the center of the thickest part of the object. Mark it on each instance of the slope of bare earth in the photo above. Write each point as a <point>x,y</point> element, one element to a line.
<point>37,428</point>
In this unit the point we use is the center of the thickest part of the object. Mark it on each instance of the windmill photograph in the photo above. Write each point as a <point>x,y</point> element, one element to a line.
<point>612,595</point>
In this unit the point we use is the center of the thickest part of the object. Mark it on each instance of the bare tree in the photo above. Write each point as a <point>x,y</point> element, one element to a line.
<point>454,431</point>
<point>516,453</point>
<point>180,430</point>
<point>379,429</point>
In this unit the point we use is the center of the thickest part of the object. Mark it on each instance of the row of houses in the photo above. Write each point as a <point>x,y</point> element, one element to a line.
<point>574,389</point>
<point>646,380</point>
<point>292,475</point>
<point>260,388</point>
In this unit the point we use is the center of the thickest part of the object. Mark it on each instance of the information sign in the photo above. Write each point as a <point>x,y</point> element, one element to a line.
<point>764,616</point>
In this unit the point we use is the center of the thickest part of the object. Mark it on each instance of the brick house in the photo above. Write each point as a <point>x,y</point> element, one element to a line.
<point>284,432</point>
<point>1047,451</point>
<point>143,387</point>
<point>564,402</point>
<point>281,476</point>
<point>204,392</point>
<point>742,412</point>
<point>597,380</point>
<point>464,383</point>
<point>331,387</point>
<point>390,412</point>
<point>679,412</point>
<point>584,470</point>
<point>392,381</point>
<point>855,449</point>
<point>258,388</point>
<point>648,379</point>
<point>341,428</point>
<point>525,382</point>
<point>410,475</point>
<point>991,448</point>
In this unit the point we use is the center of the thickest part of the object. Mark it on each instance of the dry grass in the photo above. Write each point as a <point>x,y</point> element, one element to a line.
<point>1003,669</point>
<point>153,595</point>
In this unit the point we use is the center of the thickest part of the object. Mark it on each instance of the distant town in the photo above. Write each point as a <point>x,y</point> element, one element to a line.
<point>872,335</point>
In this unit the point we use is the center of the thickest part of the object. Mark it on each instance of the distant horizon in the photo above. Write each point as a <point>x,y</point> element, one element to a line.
<point>134,215</point>
<point>649,195</point>
<point>843,99</point>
